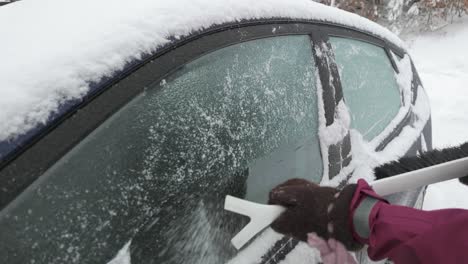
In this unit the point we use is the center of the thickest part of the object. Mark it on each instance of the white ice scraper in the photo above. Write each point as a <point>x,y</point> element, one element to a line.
<point>262,215</point>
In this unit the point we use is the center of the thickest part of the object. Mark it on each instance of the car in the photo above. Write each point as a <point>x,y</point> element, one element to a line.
<point>125,124</point>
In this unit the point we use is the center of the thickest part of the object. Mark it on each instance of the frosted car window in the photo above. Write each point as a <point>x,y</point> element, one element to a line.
<point>236,121</point>
<point>369,85</point>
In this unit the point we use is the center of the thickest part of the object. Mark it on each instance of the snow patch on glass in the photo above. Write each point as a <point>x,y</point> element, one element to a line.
<point>336,132</point>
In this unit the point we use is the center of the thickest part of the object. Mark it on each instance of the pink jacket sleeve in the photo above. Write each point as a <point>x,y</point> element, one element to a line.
<point>408,235</point>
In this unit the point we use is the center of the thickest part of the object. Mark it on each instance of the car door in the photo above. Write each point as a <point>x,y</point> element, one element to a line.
<point>146,163</point>
<point>367,103</point>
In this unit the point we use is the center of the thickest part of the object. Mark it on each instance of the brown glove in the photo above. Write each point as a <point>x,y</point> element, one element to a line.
<point>311,208</point>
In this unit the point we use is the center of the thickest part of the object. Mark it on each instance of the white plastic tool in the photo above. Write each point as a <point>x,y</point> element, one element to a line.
<point>262,215</point>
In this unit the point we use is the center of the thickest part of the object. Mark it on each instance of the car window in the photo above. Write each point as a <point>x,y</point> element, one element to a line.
<point>369,85</point>
<point>236,121</point>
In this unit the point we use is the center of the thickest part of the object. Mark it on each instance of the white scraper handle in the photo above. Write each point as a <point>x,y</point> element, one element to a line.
<point>261,216</point>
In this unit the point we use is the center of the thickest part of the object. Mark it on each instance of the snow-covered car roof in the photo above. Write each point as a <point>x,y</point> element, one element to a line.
<point>54,50</point>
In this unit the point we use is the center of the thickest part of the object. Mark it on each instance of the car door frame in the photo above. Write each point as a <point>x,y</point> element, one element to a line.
<point>51,144</point>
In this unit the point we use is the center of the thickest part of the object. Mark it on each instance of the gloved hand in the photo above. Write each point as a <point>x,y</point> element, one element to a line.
<point>311,208</point>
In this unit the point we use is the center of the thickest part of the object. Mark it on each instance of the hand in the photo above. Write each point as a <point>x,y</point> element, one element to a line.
<point>311,208</point>
<point>331,251</point>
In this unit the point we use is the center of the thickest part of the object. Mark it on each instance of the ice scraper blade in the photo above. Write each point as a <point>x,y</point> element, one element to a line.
<point>261,216</point>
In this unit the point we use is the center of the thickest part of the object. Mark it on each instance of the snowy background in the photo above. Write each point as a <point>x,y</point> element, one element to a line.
<point>441,58</point>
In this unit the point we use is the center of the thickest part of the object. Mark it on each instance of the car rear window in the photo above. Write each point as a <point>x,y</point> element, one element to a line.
<point>236,121</point>
<point>369,85</point>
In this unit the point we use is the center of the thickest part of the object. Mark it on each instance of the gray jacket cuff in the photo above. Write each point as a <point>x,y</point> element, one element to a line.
<point>361,217</point>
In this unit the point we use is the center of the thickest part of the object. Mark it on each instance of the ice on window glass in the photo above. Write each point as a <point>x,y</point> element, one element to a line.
<point>236,121</point>
<point>369,85</point>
